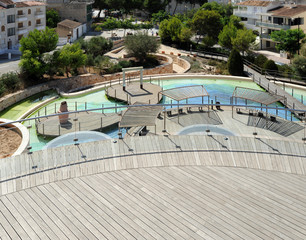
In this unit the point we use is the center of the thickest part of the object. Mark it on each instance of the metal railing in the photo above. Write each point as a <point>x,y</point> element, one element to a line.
<point>35,162</point>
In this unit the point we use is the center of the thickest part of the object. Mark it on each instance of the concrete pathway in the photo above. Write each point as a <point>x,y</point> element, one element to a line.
<point>273,56</point>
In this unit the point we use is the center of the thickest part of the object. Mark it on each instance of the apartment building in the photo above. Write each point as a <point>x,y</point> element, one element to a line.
<point>17,19</point>
<point>78,10</point>
<point>250,11</point>
<point>285,17</point>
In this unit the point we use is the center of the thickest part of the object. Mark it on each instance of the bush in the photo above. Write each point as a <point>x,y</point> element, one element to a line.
<point>97,46</point>
<point>10,81</point>
<point>261,60</point>
<point>270,66</point>
<point>114,68</point>
<point>140,45</point>
<point>235,63</point>
<point>125,64</point>
<point>2,89</point>
<point>299,63</point>
<point>150,62</point>
<point>90,60</point>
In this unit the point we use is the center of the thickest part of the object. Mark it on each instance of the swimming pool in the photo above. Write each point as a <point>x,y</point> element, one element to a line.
<point>219,90</point>
<point>18,109</point>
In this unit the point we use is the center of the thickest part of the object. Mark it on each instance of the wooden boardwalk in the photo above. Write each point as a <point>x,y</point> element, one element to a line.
<point>191,202</point>
<point>157,187</point>
<point>261,80</point>
<point>289,102</point>
<point>85,121</point>
<point>149,93</point>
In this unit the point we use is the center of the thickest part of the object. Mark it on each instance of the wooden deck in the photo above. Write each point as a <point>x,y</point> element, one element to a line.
<point>157,187</point>
<point>133,93</point>
<point>85,121</point>
<point>190,202</point>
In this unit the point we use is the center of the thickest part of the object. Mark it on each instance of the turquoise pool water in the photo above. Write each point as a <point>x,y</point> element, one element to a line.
<point>220,90</point>
<point>298,93</point>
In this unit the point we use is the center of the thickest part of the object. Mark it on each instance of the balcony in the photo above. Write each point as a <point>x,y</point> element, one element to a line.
<point>39,14</point>
<point>272,25</point>
<point>265,36</point>
<point>22,30</point>
<point>22,18</point>
<point>246,14</point>
<point>40,26</point>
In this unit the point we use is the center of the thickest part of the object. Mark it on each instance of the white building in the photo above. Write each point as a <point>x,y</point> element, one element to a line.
<point>17,19</point>
<point>250,11</point>
<point>283,18</point>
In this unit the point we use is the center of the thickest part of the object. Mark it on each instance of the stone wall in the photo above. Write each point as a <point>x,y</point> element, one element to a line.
<point>183,64</point>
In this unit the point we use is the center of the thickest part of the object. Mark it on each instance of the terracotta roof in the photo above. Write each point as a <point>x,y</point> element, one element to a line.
<point>28,4</point>
<point>69,23</point>
<point>7,2</point>
<point>257,3</point>
<point>20,4</point>
<point>34,3</point>
<point>288,11</point>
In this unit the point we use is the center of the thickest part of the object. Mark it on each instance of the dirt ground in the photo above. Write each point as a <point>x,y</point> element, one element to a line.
<point>9,142</point>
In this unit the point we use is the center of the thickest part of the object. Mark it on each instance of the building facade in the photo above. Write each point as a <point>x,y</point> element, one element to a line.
<point>250,11</point>
<point>79,11</point>
<point>286,17</point>
<point>17,19</point>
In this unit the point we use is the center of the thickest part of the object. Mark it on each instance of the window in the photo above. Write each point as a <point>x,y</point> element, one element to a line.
<point>10,32</point>
<point>29,11</point>
<point>10,18</point>
<point>20,12</point>
<point>19,37</point>
<point>29,23</point>
<point>37,9</point>
<point>20,25</point>
<point>2,28</point>
<point>38,21</point>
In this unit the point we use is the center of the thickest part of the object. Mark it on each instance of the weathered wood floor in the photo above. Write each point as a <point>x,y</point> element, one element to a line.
<point>189,202</point>
<point>86,121</point>
<point>149,93</point>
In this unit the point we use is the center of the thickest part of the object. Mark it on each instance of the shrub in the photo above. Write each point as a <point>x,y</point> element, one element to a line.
<point>150,62</point>
<point>98,46</point>
<point>140,45</point>
<point>2,89</point>
<point>270,66</point>
<point>125,64</point>
<point>261,60</point>
<point>299,63</point>
<point>11,81</point>
<point>235,63</point>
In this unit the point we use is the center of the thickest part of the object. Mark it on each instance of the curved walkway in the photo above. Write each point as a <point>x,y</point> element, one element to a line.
<point>51,165</point>
<point>191,202</point>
